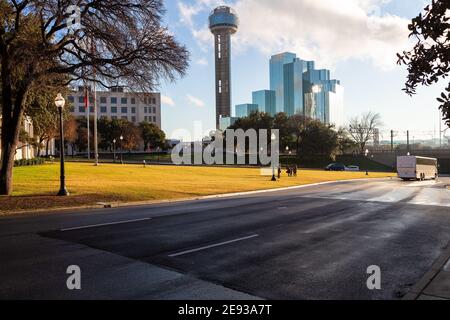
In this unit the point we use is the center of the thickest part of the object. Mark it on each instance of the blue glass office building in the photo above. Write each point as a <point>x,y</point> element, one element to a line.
<point>297,87</point>
<point>302,89</point>
<point>226,122</point>
<point>244,110</point>
<point>265,99</point>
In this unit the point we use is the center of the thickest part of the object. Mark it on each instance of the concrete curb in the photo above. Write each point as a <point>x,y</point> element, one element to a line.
<point>154,202</point>
<point>418,289</point>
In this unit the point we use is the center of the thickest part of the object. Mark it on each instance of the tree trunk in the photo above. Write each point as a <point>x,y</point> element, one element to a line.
<point>11,121</point>
<point>9,142</point>
<point>39,149</point>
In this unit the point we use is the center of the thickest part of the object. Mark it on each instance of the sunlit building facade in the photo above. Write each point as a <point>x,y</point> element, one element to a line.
<point>265,100</point>
<point>298,88</point>
<point>244,110</point>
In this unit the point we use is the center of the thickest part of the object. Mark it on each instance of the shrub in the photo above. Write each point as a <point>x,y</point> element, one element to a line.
<point>29,162</point>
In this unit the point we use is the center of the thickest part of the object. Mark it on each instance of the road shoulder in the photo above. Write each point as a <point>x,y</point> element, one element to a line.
<point>435,284</point>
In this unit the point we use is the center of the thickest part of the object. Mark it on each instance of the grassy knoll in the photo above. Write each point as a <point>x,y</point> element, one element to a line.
<point>35,187</point>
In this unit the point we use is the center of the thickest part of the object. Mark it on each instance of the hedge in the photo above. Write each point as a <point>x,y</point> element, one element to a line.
<point>29,162</point>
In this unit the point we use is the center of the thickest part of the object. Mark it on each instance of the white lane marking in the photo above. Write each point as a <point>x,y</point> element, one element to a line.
<point>212,246</point>
<point>105,224</point>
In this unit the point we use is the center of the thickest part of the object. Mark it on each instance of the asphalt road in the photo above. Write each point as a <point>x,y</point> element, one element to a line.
<point>308,243</point>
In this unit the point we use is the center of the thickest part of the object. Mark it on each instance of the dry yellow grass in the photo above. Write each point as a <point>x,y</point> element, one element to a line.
<point>35,187</point>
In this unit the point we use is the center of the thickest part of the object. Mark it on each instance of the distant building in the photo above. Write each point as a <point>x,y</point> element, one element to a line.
<point>266,101</point>
<point>325,103</point>
<point>277,79</point>
<point>24,150</point>
<point>226,122</point>
<point>119,104</point>
<point>296,87</point>
<point>244,110</point>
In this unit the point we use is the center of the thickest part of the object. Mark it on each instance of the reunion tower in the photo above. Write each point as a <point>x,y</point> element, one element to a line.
<point>223,22</point>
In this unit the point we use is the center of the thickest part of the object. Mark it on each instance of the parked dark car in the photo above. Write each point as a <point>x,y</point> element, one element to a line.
<point>335,167</point>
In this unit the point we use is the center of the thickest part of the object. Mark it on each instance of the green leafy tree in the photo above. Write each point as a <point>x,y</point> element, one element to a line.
<point>131,136</point>
<point>311,137</point>
<point>71,127</point>
<point>319,140</point>
<point>40,107</point>
<point>152,135</point>
<point>429,60</point>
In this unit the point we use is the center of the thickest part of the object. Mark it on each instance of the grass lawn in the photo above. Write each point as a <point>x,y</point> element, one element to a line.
<point>35,187</point>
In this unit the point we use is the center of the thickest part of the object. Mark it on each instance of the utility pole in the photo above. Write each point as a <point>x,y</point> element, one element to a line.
<point>392,140</point>
<point>407,141</point>
<point>440,130</point>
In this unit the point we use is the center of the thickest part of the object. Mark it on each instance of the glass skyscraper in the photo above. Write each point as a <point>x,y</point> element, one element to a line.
<point>302,89</point>
<point>297,87</point>
<point>244,110</point>
<point>265,99</point>
<point>277,63</point>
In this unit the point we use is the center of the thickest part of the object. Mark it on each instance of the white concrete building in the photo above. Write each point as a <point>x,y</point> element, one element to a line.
<point>119,104</point>
<point>24,150</point>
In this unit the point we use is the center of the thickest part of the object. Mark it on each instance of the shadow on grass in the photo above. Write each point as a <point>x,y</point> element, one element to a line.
<point>10,204</point>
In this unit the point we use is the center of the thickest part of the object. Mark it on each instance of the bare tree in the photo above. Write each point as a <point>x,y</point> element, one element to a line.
<point>362,129</point>
<point>117,43</point>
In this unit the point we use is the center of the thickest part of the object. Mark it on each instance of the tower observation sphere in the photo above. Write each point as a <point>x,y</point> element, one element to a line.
<point>223,22</point>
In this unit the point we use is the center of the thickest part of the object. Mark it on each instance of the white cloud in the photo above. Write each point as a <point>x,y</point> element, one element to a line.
<point>195,101</point>
<point>327,31</point>
<point>187,12</point>
<point>167,101</point>
<point>202,61</point>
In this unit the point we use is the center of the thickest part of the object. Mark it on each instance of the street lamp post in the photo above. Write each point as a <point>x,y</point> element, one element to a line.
<point>121,149</point>
<point>367,169</point>
<point>60,102</point>
<point>114,150</point>
<point>273,137</point>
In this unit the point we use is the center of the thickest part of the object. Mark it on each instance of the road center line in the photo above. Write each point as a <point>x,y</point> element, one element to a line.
<point>105,224</point>
<point>212,246</point>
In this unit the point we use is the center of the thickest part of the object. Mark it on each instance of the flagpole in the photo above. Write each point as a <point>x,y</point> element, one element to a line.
<point>95,108</point>
<point>95,125</point>
<point>88,125</point>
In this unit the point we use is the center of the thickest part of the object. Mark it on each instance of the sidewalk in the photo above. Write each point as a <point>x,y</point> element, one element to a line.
<point>435,285</point>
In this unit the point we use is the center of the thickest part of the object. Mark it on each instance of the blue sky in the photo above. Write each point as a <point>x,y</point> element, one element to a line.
<point>356,39</point>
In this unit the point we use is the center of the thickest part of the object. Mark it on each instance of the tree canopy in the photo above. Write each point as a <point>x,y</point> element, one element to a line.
<point>115,43</point>
<point>429,60</point>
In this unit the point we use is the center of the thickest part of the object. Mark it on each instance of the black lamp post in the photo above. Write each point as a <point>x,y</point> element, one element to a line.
<point>60,102</point>
<point>367,169</point>
<point>114,150</point>
<point>121,150</point>
<point>273,137</point>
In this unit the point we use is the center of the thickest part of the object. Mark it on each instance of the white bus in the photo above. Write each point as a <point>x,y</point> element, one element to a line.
<point>417,168</point>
